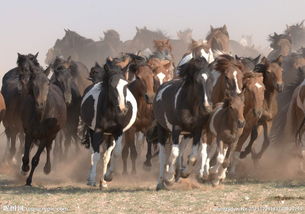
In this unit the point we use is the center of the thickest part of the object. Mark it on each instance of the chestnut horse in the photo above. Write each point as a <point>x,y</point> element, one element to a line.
<point>281,45</point>
<point>272,79</point>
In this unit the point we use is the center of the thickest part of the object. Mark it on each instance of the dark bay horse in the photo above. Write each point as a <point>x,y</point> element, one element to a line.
<point>108,109</point>
<point>72,78</point>
<point>13,97</point>
<point>181,107</point>
<point>43,115</point>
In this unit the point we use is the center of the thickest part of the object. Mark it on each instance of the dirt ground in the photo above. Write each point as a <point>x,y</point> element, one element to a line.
<point>273,186</point>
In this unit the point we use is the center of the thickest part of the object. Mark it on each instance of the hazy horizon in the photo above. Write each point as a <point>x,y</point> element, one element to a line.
<point>33,26</point>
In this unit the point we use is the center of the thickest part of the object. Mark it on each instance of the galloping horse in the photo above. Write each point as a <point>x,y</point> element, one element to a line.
<point>281,45</point>
<point>108,109</point>
<point>43,115</point>
<point>181,107</point>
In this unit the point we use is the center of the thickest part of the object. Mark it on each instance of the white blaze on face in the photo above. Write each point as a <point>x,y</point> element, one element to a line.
<point>238,91</point>
<point>161,77</point>
<point>206,101</point>
<point>258,85</point>
<point>120,88</point>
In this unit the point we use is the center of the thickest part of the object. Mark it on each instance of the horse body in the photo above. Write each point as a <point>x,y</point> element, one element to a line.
<point>108,109</point>
<point>43,115</point>
<point>178,110</point>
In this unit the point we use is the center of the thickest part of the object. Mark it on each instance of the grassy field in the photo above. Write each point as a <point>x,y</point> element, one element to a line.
<point>188,196</point>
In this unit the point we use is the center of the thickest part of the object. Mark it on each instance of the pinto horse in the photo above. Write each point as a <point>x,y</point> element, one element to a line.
<point>181,107</point>
<point>108,109</point>
<point>43,115</point>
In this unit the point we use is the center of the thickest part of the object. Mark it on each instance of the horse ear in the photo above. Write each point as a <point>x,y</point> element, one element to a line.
<point>224,27</point>
<point>211,27</point>
<point>302,22</point>
<point>279,60</point>
<point>69,59</point>
<point>97,65</point>
<point>265,61</point>
<point>237,57</point>
<point>256,60</point>
<point>47,71</point>
<point>275,34</point>
<point>36,55</point>
<point>19,55</point>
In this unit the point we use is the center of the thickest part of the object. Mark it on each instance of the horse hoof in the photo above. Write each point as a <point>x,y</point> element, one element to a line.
<point>242,155</point>
<point>91,183</point>
<point>147,167</point>
<point>27,185</point>
<point>108,177</point>
<point>47,169</point>
<point>184,174</point>
<point>161,186</point>
<point>25,168</point>
<point>103,186</point>
<point>23,173</point>
<point>215,182</point>
<point>202,178</point>
<point>169,181</point>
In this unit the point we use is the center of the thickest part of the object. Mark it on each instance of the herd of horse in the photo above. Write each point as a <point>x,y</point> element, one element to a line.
<point>209,99</point>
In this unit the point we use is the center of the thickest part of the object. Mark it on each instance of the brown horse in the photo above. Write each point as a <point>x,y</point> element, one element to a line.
<point>218,39</point>
<point>143,89</point>
<point>230,79</point>
<point>226,124</point>
<point>254,90</point>
<point>272,79</point>
<point>281,45</point>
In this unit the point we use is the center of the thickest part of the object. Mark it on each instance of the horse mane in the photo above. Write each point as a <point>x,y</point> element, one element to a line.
<point>225,61</point>
<point>160,45</point>
<point>295,27</point>
<point>276,37</point>
<point>77,38</point>
<point>189,69</point>
<point>200,43</point>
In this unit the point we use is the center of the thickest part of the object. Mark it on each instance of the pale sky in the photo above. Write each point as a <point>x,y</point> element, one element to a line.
<point>28,26</point>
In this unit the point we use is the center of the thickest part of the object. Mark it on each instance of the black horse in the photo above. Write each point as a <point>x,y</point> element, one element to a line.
<point>181,107</point>
<point>72,78</point>
<point>108,109</point>
<point>43,115</point>
<point>12,94</point>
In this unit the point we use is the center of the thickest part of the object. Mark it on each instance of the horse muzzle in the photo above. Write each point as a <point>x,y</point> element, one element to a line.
<point>257,113</point>
<point>68,98</point>
<point>279,87</point>
<point>149,98</point>
<point>241,124</point>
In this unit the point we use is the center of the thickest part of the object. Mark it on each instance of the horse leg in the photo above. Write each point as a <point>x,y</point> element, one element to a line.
<point>95,141</point>
<point>169,176</point>
<point>35,160</point>
<point>21,137</point>
<point>47,166</point>
<point>26,156</point>
<point>179,162</point>
<point>12,152</point>
<point>147,163</point>
<point>134,153</point>
<point>206,149</point>
<point>129,136</point>
<point>193,156</point>
<point>266,142</point>
<point>220,159</point>
<point>117,152</point>
<point>106,157</point>
<point>162,138</point>
<point>184,142</point>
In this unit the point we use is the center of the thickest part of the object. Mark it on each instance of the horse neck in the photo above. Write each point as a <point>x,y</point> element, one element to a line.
<point>270,98</point>
<point>228,120</point>
<point>193,89</point>
<point>218,90</point>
